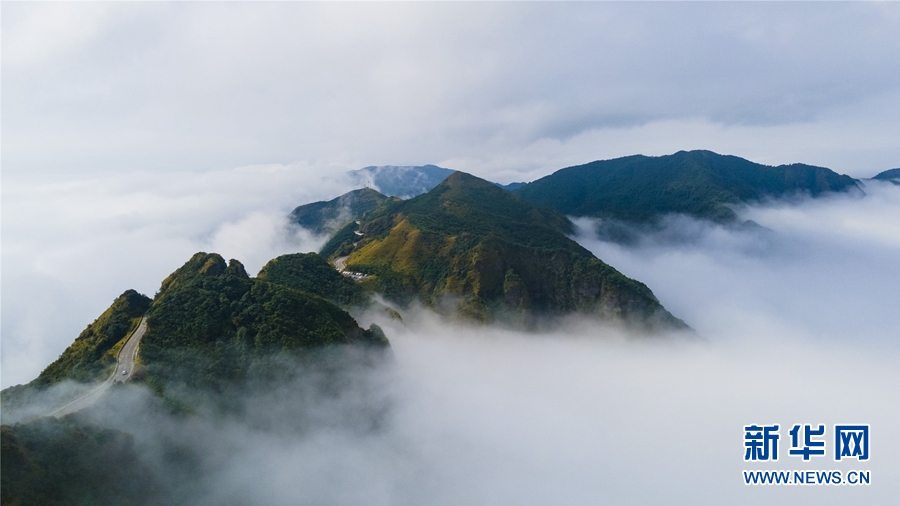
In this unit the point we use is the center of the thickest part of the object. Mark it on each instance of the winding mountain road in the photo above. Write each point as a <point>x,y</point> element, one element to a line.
<point>124,370</point>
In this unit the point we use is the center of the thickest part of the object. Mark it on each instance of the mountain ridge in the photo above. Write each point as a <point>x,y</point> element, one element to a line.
<point>892,175</point>
<point>502,258</point>
<point>702,184</point>
<point>327,216</point>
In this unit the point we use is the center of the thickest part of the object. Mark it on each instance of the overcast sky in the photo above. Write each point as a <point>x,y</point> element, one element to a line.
<point>512,90</point>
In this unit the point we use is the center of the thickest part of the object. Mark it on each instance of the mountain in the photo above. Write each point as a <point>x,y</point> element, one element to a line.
<point>512,186</point>
<point>401,181</point>
<point>702,184</point>
<point>326,217</point>
<point>311,273</point>
<point>52,462</point>
<point>215,338</point>
<point>892,175</point>
<point>396,181</point>
<point>470,248</point>
<point>211,324</point>
<point>93,354</point>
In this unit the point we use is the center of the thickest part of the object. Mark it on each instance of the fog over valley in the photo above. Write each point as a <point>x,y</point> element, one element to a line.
<point>794,321</point>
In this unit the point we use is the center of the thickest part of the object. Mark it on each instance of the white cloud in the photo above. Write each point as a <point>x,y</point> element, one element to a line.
<point>488,87</point>
<point>825,269</point>
<point>70,247</point>
<point>797,325</point>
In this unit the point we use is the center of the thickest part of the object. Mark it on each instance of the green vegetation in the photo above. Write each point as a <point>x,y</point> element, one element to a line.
<point>496,256</point>
<point>93,353</point>
<point>326,217</point>
<point>702,184</point>
<point>212,332</point>
<point>311,273</point>
<point>91,357</point>
<point>69,462</point>
<point>211,324</point>
<point>341,242</point>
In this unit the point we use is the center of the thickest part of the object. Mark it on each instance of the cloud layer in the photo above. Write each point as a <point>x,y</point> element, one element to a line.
<point>71,246</point>
<point>513,90</point>
<point>796,320</point>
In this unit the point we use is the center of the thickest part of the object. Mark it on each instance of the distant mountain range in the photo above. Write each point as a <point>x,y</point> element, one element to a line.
<point>506,255</point>
<point>701,184</point>
<point>638,189</point>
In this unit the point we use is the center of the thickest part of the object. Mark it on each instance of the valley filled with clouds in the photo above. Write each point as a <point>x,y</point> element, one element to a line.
<point>794,319</point>
<point>135,135</point>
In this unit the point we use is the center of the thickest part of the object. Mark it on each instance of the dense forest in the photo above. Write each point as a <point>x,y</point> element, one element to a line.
<point>311,273</point>
<point>701,184</point>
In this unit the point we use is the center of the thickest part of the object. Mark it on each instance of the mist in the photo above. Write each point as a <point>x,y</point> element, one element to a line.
<point>795,321</point>
<point>72,245</point>
<point>480,415</point>
<point>824,268</point>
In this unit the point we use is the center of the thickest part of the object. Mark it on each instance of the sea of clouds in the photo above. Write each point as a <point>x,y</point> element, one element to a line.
<point>796,323</point>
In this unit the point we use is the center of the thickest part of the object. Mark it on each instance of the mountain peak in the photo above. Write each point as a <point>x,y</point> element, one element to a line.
<point>461,185</point>
<point>471,249</point>
<point>460,180</point>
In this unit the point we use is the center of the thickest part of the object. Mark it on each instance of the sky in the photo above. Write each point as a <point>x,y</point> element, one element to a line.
<point>513,90</point>
<point>134,135</point>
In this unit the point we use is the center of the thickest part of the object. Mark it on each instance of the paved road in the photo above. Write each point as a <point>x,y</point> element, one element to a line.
<point>339,263</point>
<point>128,354</point>
<point>124,363</point>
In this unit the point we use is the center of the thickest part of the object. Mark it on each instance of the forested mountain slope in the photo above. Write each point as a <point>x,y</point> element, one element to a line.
<point>701,184</point>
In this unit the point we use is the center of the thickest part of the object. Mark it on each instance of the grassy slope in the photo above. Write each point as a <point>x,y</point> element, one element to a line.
<point>699,183</point>
<point>93,352</point>
<point>500,254</point>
